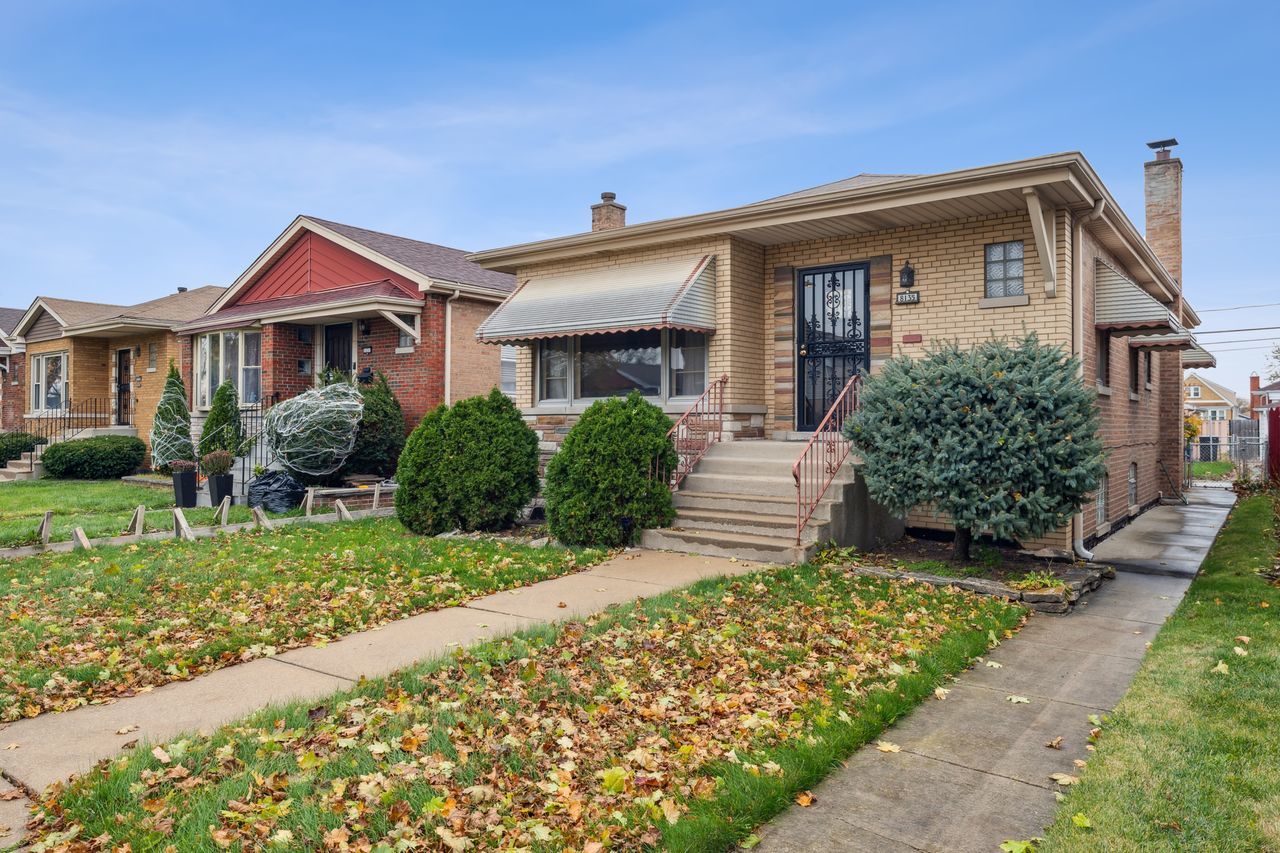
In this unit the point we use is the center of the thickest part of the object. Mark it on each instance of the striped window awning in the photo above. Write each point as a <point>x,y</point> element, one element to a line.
<point>1178,340</point>
<point>1198,356</point>
<point>678,294</point>
<point>1119,305</point>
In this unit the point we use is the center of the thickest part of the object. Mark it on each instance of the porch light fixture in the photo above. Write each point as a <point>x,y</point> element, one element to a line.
<point>907,275</point>
<point>364,328</point>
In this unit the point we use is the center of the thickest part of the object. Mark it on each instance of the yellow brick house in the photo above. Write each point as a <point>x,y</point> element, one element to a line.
<point>791,297</point>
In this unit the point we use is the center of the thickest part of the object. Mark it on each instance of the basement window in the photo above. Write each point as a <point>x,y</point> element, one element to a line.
<point>1100,500</point>
<point>1104,358</point>
<point>1133,484</point>
<point>1004,269</point>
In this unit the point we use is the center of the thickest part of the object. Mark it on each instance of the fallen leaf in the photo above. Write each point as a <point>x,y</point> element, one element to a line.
<point>1081,821</point>
<point>161,755</point>
<point>1221,668</point>
<point>804,799</point>
<point>1018,847</point>
<point>12,746</point>
<point>887,746</point>
<point>750,841</point>
<point>940,692</point>
<point>1242,639</point>
<point>1056,743</point>
<point>995,665</point>
<point>1064,779</point>
<point>1081,763</point>
<point>562,604</point>
<point>1018,700</point>
<point>670,810</point>
<point>127,730</point>
<point>1241,652</point>
<point>11,794</point>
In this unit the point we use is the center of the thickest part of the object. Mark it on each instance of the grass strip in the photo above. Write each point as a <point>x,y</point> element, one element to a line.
<point>86,626</point>
<point>1189,758</point>
<point>681,721</point>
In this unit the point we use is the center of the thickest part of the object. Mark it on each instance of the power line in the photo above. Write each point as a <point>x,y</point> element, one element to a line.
<point>1215,350</point>
<point>1244,340</point>
<point>1231,331</point>
<point>1238,307</point>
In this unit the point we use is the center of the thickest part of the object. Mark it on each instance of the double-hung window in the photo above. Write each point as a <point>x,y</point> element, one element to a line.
<point>406,342</point>
<point>659,364</point>
<point>50,390</point>
<point>234,356</point>
<point>1004,269</point>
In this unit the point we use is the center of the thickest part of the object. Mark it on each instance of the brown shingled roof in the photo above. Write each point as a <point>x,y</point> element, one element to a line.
<point>9,318</point>
<point>430,259</point>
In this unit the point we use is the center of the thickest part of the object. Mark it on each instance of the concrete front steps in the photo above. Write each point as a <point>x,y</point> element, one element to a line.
<point>29,467</point>
<point>741,502</point>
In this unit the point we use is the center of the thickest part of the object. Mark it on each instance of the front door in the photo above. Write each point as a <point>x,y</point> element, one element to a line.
<point>833,340</point>
<point>124,386</point>
<point>337,347</point>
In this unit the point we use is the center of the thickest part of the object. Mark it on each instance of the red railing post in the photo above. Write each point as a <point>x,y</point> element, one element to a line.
<point>823,455</point>
<point>698,428</point>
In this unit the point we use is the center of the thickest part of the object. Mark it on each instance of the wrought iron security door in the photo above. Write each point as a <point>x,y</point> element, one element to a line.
<point>833,341</point>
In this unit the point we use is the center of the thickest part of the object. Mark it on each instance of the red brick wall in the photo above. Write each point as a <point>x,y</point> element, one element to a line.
<point>281,352</point>
<point>13,393</point>
<point>417,377</point>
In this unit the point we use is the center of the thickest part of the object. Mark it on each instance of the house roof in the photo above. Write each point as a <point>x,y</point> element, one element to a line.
<point>1222,391</point>
<point>1274,386</point>
<point>66,312</point>
<point>430,259</point>
<point>869,203</point>
<point>432,267</point>
<point>372,292</point>
<point>164,312</point>
<point>9,318</point>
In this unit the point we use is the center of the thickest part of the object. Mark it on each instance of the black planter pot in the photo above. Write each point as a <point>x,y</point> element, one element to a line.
<point>184,489</point>
<point>220,487</point>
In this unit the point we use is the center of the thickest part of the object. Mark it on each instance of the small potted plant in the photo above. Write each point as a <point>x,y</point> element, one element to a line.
<point>184,483</point>
<point>217,467</point>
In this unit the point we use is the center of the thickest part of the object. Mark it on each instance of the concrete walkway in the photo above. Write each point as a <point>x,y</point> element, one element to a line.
<point>1169,540</point>
<point>51,747</point>
<point>974,770</point>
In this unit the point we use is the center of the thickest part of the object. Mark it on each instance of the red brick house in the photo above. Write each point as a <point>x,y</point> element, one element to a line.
<point>12,363</point>
<point>326,295</point>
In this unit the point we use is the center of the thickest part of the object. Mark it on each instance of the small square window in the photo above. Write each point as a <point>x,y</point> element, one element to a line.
<point>305,334</point>
<point>1004,266</point>
<point>406,340</point>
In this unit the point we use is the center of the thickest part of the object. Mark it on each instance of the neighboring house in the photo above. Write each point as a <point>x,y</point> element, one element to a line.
<point>1216,406</point>
<point>1262,397</point>
<point>329,296</point>
<point>792,296</point>
<point>93,366</point>
<point>13,361</point>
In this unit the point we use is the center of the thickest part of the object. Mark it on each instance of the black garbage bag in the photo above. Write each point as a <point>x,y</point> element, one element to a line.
<point>276,491</point>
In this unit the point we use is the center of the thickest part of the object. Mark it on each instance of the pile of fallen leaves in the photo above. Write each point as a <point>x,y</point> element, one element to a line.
<point>590,737</point>
<point>90,627</point>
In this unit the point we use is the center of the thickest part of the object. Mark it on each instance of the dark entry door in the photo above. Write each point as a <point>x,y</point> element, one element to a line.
<point>337,347</point>
<point>124,386</point>
<point>833,341</point>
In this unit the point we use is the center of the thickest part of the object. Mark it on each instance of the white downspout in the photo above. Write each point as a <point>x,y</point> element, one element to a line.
<point>448,347</point>
<point>1077,344</point>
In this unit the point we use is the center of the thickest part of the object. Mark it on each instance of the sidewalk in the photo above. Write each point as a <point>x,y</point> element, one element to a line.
<point>1169,540</point>
<point>51,747</point>
<point>974,770</point>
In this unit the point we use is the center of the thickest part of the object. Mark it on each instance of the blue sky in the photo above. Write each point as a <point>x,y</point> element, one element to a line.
<point>147,145</point>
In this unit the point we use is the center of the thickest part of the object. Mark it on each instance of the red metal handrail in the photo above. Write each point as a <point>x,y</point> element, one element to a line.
<point>698,428</point>
<point>823,455</point>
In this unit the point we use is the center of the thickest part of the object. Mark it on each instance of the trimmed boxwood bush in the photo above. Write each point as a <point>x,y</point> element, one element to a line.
<point>381,436</point>
<point>470,466</point>
<point>14,444</point>
<point>600,487</point>
<point>105,457</point>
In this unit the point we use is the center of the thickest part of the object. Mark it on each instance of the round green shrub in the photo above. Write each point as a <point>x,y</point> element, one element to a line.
<point>600,487</point>
<point>14,444</point>
<point>381,436</point>
<point>470,466</point>
<point>105,457</point>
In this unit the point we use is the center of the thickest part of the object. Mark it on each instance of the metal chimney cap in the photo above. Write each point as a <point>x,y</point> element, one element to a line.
<point>1162,144</point>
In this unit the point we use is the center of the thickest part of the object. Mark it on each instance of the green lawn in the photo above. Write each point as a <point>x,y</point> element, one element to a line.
<point>101,507</point>
<point>1189,760</point>
<point>1216,470</point>
<point>681,722</point>
<point>96,624</point>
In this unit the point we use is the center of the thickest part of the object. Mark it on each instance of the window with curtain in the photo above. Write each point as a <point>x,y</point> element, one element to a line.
<point>49,387</point>
<point>231,355</point>
<point>616,364</point>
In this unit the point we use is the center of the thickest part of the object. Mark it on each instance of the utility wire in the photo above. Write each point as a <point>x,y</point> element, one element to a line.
<point>1244,341</point>
<point>1232,331</point>
<point>1238,307</point>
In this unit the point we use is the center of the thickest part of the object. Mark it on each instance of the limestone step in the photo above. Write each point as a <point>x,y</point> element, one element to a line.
<point>750,522</point>
<point>732,502</point>
<point>787,451</point>
<point>744,546</point>
<point>739,484</point>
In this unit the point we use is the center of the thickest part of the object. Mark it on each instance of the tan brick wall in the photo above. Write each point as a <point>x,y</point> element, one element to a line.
<point>87,368</point>
<point>146,394</point>
<point>474,368</point>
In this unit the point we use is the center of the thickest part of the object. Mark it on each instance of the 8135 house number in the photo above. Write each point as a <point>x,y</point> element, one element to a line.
<point>907,297</point>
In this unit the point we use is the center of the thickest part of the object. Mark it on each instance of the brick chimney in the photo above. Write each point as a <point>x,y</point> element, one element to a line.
<point>1163,183</point>
<point>608,213</point>
<point>1254,402</point>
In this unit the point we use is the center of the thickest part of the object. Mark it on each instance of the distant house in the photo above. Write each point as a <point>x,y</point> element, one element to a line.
<point>1216,406</point>
<point>327,296</point>
<point>95,367</point>
<point>1262,397</point>
<point>13,360</point>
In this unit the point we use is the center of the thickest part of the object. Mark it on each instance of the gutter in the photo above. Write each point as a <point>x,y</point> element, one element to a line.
<point>1077,342</point>
<point>448,347</point>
